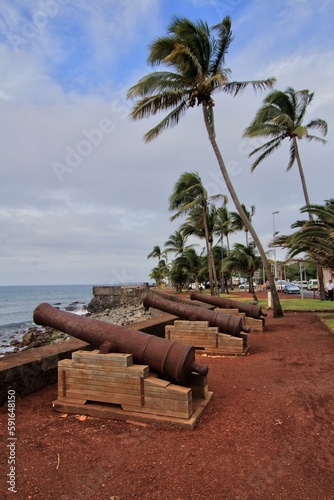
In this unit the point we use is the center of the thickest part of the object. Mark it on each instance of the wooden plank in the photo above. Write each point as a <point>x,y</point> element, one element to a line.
<point>186,413</point>
<point>114,412</point>
<point>212,330</point>
<point>96,385</point>
<point>118,359</point>
<point>179,322</point>
<point>104,398</point>
<point>116,371</point>
<point>256,325</point>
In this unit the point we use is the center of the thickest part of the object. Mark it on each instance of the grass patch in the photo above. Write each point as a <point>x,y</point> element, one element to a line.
<point>328,319</point>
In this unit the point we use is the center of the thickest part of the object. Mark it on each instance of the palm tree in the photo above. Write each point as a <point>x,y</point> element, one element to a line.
<point>176,243</point>
<point>223,228</point>
<point>197,56</point>
<point>160,272</point>
<point>223,225</point>
<point>202,225</point>
<point>156,253</point>
<point>244,259</point>
<point>237,224</point>
<point>281,117</point>
<point>314,237</point>
<point>186,267</point>
<point>190,196</point>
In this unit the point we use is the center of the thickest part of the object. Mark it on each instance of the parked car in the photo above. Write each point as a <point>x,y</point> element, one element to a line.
<point>244,286</point>
<point>291,288</point>
<point>301,284</point>
<point>312,285</point>
<point>192,286</point>
<point>280,284</point>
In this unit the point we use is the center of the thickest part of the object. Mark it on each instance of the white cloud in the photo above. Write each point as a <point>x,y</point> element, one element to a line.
<point>82,198</point>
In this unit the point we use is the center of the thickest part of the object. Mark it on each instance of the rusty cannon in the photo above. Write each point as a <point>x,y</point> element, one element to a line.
<point>232,325</point>
<point>168,358</point>
<point>250,310</point>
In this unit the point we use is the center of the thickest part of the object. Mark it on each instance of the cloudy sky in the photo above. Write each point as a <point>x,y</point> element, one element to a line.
<point>83,200</point>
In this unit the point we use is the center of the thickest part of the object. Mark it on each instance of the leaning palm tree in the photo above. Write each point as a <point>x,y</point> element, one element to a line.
<point>237,224</point>
<point>281,117</point>
<point>196,54</point>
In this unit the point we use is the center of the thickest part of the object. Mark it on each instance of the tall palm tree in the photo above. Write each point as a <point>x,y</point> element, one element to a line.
<point>281,117</point>
<point>237,224</point>
<point>197,56</point>
<point>244,259</point>
<point>190,194</point>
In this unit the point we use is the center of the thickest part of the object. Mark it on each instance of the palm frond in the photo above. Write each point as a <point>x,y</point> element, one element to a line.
<point>225,38</point>
<point>170,120</point>
<point>235,88</point>
<point>318,124</point>
<point>267,149</point>
<point>157,83</point>
<point>293,154</point>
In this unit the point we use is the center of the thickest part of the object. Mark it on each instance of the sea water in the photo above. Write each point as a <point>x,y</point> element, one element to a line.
<point>17,304</point>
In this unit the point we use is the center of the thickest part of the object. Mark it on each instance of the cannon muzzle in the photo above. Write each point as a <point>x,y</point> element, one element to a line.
<point>168,358</point>
<point>232,325</point>
<point>250,310</point>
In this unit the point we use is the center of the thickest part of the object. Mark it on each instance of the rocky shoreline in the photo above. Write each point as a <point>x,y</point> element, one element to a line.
<point>37,336</point>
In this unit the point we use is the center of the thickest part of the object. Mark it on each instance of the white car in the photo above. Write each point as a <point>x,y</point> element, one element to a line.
<point>192,286</point>
<point>244,286</point>
<point>312,285</point>
<point>280,284</point>
<point>301,284</point>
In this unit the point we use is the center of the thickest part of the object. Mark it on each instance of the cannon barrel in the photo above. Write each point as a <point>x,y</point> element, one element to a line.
<point>251,310</point>
<point>233,325</point>
<point>168,358</point>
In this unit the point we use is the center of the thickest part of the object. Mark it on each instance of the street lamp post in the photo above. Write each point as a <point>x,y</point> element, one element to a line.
<point>274,234</point>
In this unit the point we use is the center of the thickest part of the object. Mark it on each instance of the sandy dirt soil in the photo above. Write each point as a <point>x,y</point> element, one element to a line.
<point>267,433</point>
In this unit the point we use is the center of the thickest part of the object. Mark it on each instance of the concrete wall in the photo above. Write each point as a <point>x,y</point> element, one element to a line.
<point>112,297</point>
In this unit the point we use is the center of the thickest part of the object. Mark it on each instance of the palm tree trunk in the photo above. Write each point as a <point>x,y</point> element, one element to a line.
<point>310,216</point>
<point>302,177</point>
<point>214,272</point>
<point>277,308</point>
<point>251,287</point>
<point>206,231</point>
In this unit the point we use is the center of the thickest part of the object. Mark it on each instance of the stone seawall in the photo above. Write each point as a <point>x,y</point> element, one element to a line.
<point>113,297</point>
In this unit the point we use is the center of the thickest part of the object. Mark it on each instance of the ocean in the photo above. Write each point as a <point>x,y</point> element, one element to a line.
<point>17,304</point>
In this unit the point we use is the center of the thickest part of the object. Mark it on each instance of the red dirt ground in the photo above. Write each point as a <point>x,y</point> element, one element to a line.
<point>267,433</point>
